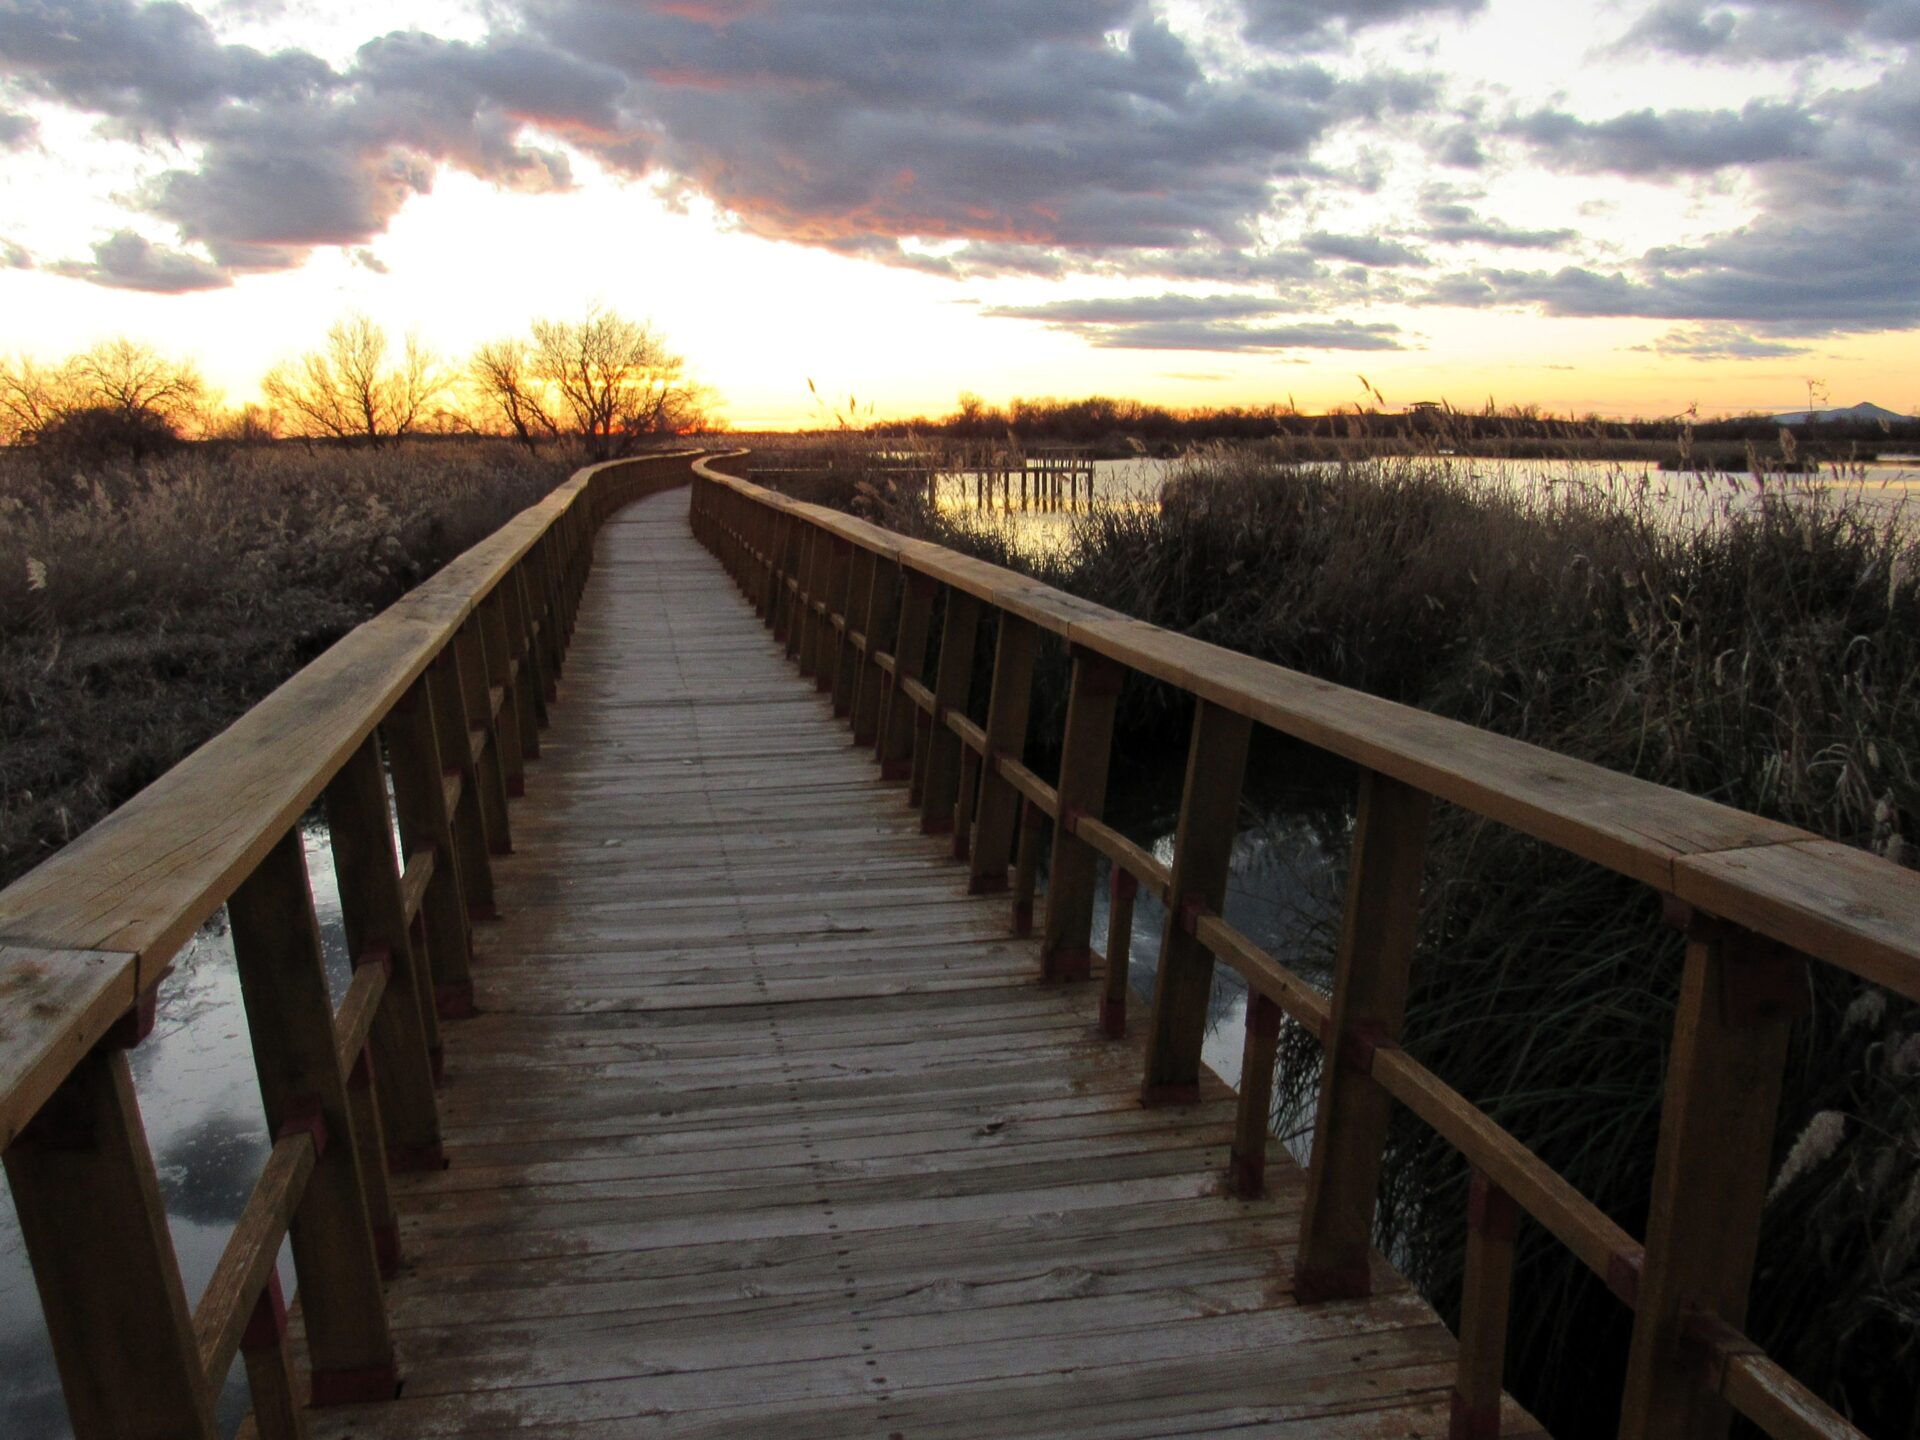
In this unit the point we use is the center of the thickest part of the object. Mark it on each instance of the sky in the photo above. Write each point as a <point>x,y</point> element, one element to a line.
<point>1627,207</point>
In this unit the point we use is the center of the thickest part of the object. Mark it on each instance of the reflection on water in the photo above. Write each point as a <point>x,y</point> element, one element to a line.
<point>201,1106</point>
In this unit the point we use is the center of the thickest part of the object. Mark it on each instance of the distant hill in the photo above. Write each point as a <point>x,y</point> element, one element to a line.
<point>1866,412</point>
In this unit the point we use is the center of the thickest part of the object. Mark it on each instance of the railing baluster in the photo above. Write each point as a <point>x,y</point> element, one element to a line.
<point>276,943</point>
<point>1253,1119</point>
<point>882,607</point>
<point>529,693</point>
<point>941,785</point>
<point>454,740</point>
<point>1492,1222</point>
<point>1202,852</point>
<point>1113,988</point>
<point>496,656</point>
<point>90,1212</point>
<point>1369,999</point>
<point>812,574</point>
<point>420,805</point>
<point>374,917</point>
<point>1008,701</point>
<point>488,769</point>
<point>277,1411</point>
<point>854,592</point>
<point>1739,995</point>
<point>896,742</point>
<point>1066,936</point>
<point>1026,865</point>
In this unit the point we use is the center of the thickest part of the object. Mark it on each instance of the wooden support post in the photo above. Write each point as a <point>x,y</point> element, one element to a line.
<point>528,689</point>
<point>1026,865</point>
<point>895,744</point>
<point>852,577</point>
<point>941,787</point>
<point>276,944</point>
<point>547,611</point>
<point>95,1229</point>
<point>1253,1119</point>
<point>374,916</point>
<point>882,605</point>
<point>1113,988</point>
<point>490,775</point>
<point>1739,995</point>
<point>963,806</point>
<point>1202,852</point>
<point>454,740</point>
<point>370,1140</point>
<point>1006,730</point>
<point>426,828</point>
<point>1487,1285</point>
<point>1370,974</point>
<point>497,652</point>
<point>1066,936</point>
<point>813,571</point>
<point>277,1411</point>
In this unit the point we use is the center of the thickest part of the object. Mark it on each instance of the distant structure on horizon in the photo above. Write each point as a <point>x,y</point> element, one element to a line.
<point>1866,411</point>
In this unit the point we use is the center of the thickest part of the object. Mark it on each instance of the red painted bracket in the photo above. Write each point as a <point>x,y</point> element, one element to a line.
<point>267,1325</point>
<point>1491,1211</point>
<point>380,954</point>
<point>1317,1286</point>
<point>137,1024</point>
<point>1623,1275</point>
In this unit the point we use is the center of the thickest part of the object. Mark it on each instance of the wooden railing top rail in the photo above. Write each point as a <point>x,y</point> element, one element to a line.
<point>1829,901</point>
<point>93,928</point>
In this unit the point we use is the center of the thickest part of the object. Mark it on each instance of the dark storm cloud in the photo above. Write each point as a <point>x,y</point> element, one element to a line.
<point>1367,250</point>
<point>294,154</point>
<point>127,261</point>
<point>17,131</point>
<point>1650,142</point>
<point>1783,30</point>
<point>1197,322</point>
<point>1295,23</point>
<point>1455,224</point>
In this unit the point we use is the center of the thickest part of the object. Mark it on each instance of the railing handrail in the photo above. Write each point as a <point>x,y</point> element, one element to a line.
<point>91,929</point>
<point>1829,901</point>
<point>1752,895</point>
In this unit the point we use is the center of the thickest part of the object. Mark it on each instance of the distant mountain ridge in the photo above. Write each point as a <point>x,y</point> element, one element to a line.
<point>1865,412</point>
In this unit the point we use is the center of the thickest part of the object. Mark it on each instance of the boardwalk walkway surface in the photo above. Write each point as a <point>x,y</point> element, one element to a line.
<point>766,1129</point>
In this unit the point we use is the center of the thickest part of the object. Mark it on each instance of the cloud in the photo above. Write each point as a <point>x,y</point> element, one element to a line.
<point>1649,142</point>
<point>17,131</point>
<point>1313,23</point>
<point>1197,322</point>
<point>1719,342</point>
<point>15,256</point>
<point>126,261</point>
<point>1362,249</point>
<point>1454,224</point>
<point>1770,30</point>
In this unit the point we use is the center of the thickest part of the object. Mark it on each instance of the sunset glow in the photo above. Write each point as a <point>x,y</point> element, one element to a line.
<point>1607,205</point>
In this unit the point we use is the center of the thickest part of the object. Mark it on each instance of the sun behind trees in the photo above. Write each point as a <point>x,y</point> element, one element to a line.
<point>605,379</point>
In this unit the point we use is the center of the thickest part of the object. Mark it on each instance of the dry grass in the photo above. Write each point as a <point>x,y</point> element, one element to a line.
<point>141,611</point>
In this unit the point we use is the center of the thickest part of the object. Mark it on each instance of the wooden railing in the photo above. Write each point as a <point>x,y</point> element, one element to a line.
<point>854,605</point>
<point>442,696</point>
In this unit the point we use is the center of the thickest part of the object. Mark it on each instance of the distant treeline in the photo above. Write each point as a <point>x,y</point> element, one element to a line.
<point>1121,426</point>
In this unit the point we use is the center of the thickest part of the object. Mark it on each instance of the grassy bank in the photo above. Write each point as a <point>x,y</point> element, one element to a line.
<point>142,610</point>
<point>1762,651</point>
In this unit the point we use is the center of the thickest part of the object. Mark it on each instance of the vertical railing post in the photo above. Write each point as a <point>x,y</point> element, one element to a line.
<point>831,655</point>
<point>277,1410</point>
<point>95,1229</point>
<point>1026,865</point>
<point>1202,854</point>
<point>489,772</point>
<point>854,591</point>
<point>1739,995</point>
<point>497,657</point>
<point>1066,935</point>
<point>528,688</point>
<point>1253,1118</point>
<point>1008,701</point>
<point>805,644</point>
<point>426,828</point>
<point>1493,1220</point>
<point>276,944</point>
<point>373,913</point>
<point>882,606</point>
<point>895,742</point>
<point>1370,975</point>
<point>941,787</point>
<point>1113,987</point>
<point>454,740</point>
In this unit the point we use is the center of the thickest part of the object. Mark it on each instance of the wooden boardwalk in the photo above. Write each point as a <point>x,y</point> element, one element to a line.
<point>765,1128</point>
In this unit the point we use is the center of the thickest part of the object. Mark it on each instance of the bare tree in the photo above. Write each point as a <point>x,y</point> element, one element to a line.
<point>505,375</point>
<point>613,381</point>
<point>132,377</point>
<point>32,397</point>
<point>350,390</point>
